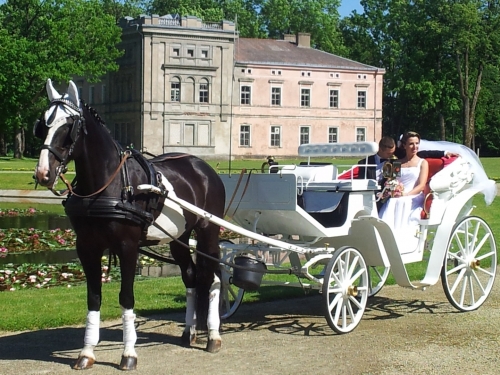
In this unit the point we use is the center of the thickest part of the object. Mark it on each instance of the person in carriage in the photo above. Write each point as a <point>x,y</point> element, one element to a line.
<point>388,152</point>
<point>402,210</point>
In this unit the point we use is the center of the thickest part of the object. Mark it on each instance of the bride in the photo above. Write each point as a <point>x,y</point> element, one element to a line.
<point>402,213</point>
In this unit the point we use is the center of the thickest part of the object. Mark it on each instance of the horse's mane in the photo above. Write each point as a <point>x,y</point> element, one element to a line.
<point>95,115</point>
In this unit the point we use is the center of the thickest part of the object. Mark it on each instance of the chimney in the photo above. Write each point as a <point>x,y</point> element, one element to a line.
<point>289,38</point>
<point>304,40</point>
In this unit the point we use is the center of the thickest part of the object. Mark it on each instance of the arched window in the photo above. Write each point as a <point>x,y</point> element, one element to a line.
<point>175,89</point>
<point>204,91</point>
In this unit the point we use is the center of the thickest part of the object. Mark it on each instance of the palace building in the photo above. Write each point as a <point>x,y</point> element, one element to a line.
<point>190,86</point>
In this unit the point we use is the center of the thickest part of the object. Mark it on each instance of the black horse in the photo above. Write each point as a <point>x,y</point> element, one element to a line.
<point>109,210</point>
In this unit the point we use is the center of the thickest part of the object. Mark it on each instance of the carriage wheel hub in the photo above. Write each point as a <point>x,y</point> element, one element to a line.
<point>352,291</point>
<point>475,264</point>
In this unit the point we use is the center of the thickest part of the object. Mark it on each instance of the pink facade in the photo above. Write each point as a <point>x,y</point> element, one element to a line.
<point>281,106</point>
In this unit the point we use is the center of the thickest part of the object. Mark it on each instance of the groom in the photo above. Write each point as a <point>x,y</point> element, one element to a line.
<point>387,151</point>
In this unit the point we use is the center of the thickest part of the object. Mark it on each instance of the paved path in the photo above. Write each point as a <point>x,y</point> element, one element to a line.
<point>402,332</point>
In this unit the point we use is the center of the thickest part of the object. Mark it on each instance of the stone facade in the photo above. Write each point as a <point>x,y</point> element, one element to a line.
<point>189,86</point>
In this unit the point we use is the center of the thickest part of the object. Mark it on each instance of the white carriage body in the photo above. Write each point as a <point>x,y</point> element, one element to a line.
<point>309,206</point>
<point>299,217</point>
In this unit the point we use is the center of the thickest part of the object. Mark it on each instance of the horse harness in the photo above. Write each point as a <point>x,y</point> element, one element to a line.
<point>95,205</point>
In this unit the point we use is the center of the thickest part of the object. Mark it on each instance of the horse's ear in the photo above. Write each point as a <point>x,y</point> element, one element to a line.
<point>51,91</point>
<point>73,93</point>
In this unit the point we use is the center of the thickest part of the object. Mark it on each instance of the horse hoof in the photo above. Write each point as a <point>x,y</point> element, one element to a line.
<point>83,363</point>
<point>213,346</point>
<point>187,339</point>
<point>128,363</point>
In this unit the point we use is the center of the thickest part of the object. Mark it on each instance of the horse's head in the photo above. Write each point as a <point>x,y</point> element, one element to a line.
<point>59,127</point>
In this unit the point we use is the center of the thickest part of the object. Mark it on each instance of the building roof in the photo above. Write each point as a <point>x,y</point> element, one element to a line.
<point>286,53</point>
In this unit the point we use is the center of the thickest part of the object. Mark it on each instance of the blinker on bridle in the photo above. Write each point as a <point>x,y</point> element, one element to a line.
<point>77,123</point>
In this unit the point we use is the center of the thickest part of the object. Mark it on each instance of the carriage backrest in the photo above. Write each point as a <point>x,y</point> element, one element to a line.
<point>353,149</point>
<point>435,166</point>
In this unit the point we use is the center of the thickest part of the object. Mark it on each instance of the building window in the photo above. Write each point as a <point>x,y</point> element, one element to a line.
<point>204,54</point>
<point>305,97</point>
<point>304,134</point>
<point>190,52</point>
<point>275,136</point>
<point>103,94</point>
<point>333,135</point>
<point>176,52</point>
<point>204,92</point>
<point>276,96</point>
<point>361,99</point>
<point>245,95</point>
<point>360,134</point>
<point>91,94</point>
<point>175,91</point>
<point>334,98</point>
<point>245,135</point>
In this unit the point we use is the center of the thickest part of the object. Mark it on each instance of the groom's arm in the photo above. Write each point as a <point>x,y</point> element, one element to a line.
<point>432,154</point>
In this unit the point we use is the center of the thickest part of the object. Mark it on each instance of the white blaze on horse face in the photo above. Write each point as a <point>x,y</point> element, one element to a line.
<point>61,115</point>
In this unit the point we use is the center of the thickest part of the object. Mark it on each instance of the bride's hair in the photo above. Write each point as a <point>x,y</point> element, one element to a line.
<point>409,135</point>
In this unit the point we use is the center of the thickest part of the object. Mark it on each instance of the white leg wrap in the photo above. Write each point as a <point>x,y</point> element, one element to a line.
<point>129,334</point>
<point>213,320</point>
<point>91,338</point>
<point>92,328</point>
<point>190,307</point>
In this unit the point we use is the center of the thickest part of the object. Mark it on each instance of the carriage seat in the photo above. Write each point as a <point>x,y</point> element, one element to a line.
<point>443,185</point>
<point>308,173</point>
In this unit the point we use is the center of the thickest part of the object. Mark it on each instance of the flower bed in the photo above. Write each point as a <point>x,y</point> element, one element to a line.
<point>29,240</point>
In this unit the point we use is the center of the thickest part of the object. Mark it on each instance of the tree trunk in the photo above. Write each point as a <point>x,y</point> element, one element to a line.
<point>19,142</point>
<point>3,145</point>
<point>442,128</point>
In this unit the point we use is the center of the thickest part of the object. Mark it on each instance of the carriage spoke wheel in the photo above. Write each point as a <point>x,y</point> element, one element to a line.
<point>230,295</point>
<point>470,264</point>
<point>345,289</point>
<point>378,276</point>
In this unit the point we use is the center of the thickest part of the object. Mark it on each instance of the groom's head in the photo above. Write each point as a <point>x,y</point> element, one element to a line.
<point>386,148</point>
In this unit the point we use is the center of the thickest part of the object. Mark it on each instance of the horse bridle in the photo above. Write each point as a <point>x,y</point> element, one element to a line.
<point>77,122</point>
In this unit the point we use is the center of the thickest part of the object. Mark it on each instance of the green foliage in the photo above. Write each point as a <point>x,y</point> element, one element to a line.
<point>207,10</point>
<point>55,39</point>
<point>435,54</point>
<point>318,17</point>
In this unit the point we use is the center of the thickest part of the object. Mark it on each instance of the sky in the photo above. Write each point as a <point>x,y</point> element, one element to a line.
<point>347,6</point>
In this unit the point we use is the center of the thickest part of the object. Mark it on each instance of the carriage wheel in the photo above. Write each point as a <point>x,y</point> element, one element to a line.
<point>230,295</point>
<point>470,264</point>
<point>378,276</point>
<point>345,289</point>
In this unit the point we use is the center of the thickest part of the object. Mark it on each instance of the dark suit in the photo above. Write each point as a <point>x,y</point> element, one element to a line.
<point>371,172</point>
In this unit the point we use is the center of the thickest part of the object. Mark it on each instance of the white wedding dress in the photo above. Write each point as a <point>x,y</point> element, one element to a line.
<point>403,214</point>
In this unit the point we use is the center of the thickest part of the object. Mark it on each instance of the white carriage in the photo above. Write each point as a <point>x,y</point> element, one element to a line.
<point>323,227</point>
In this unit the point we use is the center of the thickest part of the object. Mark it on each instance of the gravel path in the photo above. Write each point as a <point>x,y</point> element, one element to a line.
<point>402,332</point>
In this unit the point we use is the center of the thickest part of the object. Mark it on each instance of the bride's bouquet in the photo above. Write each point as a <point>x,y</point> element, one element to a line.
<point>392,189</point>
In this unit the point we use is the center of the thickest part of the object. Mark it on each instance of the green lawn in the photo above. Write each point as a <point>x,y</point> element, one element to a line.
<point>18,174</point>
<point>44,308</point>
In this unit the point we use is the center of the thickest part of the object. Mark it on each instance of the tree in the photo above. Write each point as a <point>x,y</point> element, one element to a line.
<point>435,53</point>
<point>207,10</point>
<point>318,17</point>
<point>57,39</point>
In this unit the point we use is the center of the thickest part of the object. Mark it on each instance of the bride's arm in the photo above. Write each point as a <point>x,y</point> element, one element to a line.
<point>422,179</point>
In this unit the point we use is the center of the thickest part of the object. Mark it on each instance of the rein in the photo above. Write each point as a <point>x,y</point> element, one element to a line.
<point>126,155</point>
